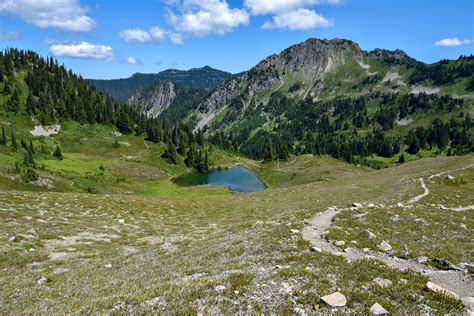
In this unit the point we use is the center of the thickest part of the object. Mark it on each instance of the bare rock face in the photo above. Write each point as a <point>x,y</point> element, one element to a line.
<point>153,101</point>
<point>309,61</point>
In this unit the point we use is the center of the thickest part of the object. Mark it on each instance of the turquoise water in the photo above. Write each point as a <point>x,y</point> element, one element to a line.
<point>237,179</point>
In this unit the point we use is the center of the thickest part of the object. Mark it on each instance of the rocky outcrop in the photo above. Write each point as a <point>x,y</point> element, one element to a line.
<point>154,100</point>
<point>307,62</point>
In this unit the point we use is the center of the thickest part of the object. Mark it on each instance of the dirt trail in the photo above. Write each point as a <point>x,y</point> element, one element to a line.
<point>455,281</point>
<point>424,194</point>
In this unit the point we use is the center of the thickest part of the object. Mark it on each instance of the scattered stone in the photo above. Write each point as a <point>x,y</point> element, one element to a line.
<point>299,311</point>
<point>286,288</point>
<point>422,259</point>
<point>377,309</point>
<point>438,289</point>
<point>400,204</point>
<point>340,243</point>
<point>371,205</point>
<point>357,205</point>
<point>121,221</point>
<point>465,266</point>
<point>295,231</point>
<point>108,266</point>
<point>13,238</point>
<point>220,288</point>
<point>365,249</point>
<point>463,226</point>
<point>395,218</point>
<point>335,299</point>
<point>385,246</point>
<point>402,281</point>
<point>445,264</point>
<point>450,177</point>
<point>315,249</point>
<point>41,280</point>
<point>368,233</point>
<point>382,282</point>
<point>420,221</point>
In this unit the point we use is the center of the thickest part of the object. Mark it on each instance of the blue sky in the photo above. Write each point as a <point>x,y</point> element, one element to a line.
<point>116,38</point>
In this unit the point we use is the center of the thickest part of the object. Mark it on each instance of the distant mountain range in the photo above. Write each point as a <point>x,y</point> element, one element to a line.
<point>205,78</point>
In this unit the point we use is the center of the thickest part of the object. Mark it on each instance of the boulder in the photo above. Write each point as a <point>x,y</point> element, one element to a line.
<point>450,177</point>
<point>340,243</point>
<point>367,233</point>
<point>422,259</point>
<point>438,289</point>
<point>377,309</point>
<point>357,205</point>
<point>335,299</point>
<point>385,246</point>
<point>315,249</point>
<point>446,264</point>
<point>220,288</point>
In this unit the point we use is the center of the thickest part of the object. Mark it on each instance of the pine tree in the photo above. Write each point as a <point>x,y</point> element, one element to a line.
<point>171,154</point>
<point>13,141</point>
<point>190,160</point>
<point>401,159</point>
<point>3,140</point>
<point>58,153</point>
<point>13,104</point>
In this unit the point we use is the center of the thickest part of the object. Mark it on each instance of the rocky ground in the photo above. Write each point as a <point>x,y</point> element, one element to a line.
<point>248,253</point>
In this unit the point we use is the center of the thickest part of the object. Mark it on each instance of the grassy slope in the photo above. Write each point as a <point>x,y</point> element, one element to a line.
<point>170,252</point>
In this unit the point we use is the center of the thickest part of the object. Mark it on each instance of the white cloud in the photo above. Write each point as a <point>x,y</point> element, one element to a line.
<point>454,41</point>
<point>135,36</point>
<point>261,7</point>
<point>157,33</point>
<point>66,15</point>
<point>133,61</point>
<point>83,50</point>
<point>206,17</point>
<point>176,39</point>
<point>9,36</point>
<point>302,19</point>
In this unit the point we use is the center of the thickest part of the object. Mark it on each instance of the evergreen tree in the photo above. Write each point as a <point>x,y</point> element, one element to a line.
<point>401,159</point>
<point>3,140</point>
<point>58,153</point>
<point>171,153</point>
<point>13,141</point>
<point>13,104</point>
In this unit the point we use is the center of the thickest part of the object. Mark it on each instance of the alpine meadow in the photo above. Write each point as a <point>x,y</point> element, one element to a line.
<point>334,176</point>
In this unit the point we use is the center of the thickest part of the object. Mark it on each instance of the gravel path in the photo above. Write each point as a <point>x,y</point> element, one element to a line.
<point>457,282</point>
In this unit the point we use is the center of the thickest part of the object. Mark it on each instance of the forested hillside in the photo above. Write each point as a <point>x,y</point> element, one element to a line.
<point>331,97</point>
<point>38,91</point>
<point>205,78</point>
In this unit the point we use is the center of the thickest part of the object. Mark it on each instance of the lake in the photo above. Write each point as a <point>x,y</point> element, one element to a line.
<point>237,179</point>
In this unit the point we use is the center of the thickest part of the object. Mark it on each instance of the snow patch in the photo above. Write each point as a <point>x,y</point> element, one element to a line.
<point>48,131</point>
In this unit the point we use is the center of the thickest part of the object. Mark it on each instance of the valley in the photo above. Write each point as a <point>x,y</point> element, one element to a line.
<point>366,161</point>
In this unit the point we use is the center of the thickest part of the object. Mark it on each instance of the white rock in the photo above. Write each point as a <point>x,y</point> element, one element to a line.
<point>377,309</point>
<point>371,205</point>
<point>385,246</point>
<point>463,226</point>
<point>121,221</point>
<point>340,243</point>
<point>402,281</point>
<point>315,249</point>
<point>357,205</point>
<point>295,231</point>
<point>41,280</point>
<point>108,266</point>
<point>220,288</point>
<point>335,299</point>
<point>422,259</point>
<point>450,177</point>
<point>382,282</point>
<point>368,233</point>
<point>286,288</point>
<point>438,289</point>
